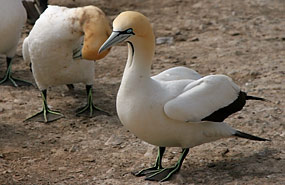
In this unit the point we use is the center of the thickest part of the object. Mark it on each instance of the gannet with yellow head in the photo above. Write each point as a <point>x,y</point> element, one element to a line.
<point>12,19</point>
<point>61,47</point>
<point>170,113</point>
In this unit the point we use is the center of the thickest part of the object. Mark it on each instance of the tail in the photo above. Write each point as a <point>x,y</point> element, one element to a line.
<point>248,136</point>
<point>25,50</point>
<point>255,98</point>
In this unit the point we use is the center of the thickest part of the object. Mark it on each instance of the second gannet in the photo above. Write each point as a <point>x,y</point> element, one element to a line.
<point>61,47</point>
<point>12,19</point>
<point>170,112</point>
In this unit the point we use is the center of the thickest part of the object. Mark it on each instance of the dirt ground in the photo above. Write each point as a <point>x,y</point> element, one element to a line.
<point>243,39</point>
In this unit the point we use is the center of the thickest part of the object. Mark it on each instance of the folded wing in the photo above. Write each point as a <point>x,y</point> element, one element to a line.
<point>177,73</point>
<point>203,98</point>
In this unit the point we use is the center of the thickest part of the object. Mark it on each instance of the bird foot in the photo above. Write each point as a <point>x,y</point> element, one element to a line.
<point>91,110</point>
<point>162,174</point>
<point>45,116</point>
<point>9,80</point>
<point>147,171</point>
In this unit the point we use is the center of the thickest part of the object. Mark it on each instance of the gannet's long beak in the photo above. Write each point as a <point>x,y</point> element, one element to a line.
<point>115,37</point>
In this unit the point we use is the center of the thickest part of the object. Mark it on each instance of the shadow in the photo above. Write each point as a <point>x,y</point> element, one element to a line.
<point>104,96</point>
<point>257,165</point>
<point>11,135</point>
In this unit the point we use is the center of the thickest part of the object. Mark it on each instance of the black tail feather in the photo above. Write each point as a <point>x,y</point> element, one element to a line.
<point>248,136</point>
<point>255,98</point>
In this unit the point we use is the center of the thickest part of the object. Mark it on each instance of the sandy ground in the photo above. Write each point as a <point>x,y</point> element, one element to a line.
<point>243,39</point>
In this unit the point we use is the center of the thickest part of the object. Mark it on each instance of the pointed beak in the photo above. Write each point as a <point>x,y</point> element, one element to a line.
<point>115,38</point>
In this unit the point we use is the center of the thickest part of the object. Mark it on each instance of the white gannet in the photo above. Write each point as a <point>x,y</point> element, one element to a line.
<point>12,19</point>
<point>61,47</point>
<point>173,112</point>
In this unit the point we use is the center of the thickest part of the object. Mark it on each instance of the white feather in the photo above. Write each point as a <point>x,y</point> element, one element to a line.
<point>201,98</point>
<point>12,18</point>
<point>50,47</point>
<point>177,73</point>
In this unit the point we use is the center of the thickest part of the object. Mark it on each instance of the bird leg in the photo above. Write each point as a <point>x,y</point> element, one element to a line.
<point>166,173</point>
<point>11,80</point>
<point>90,107</point>
<point>157,167</point>
<point>46,115</point>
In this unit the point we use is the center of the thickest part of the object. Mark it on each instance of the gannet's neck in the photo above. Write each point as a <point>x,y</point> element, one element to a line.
<point>140,54</point>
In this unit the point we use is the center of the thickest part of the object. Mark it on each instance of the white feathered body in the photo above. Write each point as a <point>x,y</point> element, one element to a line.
<point>12,18</point>
<point>177,73</point>
<point>168,112</point>
<point>50,45</point>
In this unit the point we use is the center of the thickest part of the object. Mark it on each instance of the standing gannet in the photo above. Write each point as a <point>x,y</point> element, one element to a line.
<point>175,112</point>
<point>12,19</point>
<point>61,47</point>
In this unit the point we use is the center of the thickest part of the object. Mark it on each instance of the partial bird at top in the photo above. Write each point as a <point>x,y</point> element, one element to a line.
<point>61,47</point>
<point>177,111</point>
<point>34,9</point>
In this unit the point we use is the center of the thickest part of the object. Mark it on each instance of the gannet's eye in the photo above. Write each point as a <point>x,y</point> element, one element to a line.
<point>130,31</point>
<point>126,32</point>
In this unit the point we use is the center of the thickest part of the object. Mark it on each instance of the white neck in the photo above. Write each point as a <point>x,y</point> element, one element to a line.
<point>140,54</point>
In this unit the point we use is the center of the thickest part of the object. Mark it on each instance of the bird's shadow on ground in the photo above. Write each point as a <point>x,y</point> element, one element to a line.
<point>257,165</point>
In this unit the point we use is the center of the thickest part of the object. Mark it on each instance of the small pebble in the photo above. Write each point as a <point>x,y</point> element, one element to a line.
<point>164,40</point>
<point>194,39</point>
<point>211,165</point>
<point>114,140</point>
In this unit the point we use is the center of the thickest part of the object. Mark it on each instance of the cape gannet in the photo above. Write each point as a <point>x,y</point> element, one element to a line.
<point>12,19</point>
<point>61,47</point>
<point>176,112</point>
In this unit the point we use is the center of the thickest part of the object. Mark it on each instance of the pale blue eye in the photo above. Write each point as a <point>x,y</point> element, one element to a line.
<point>129,31</point>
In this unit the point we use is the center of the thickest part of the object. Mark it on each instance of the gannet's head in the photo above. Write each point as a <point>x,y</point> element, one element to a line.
<point>96,30</point>
<point>128,26</point>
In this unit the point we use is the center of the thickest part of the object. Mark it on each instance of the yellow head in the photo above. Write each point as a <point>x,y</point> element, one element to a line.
<point>96,30</point>
<point>130,26</point>
<point>134,20</point>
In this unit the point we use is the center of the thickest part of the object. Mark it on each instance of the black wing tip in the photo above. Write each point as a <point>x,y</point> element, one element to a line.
<point>248,136</point>
<point>256,98</point>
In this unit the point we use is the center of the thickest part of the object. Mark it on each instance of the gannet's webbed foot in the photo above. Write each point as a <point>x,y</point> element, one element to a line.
<point>156,168</point>
<point>166,173</point>
<point>9,80</point>
<point>147,171</point>
<point>162,174</point>
<point>90,108</point>
<point>46,115</point>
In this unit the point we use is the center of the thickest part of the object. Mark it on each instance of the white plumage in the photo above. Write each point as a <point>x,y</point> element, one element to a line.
<point>177,73</point>
<point>167,113</point>
<point>12,18</point>
<point>176,108</point>
<point>50,45</point>
<point>201,98</point>
<point>57,36</point>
